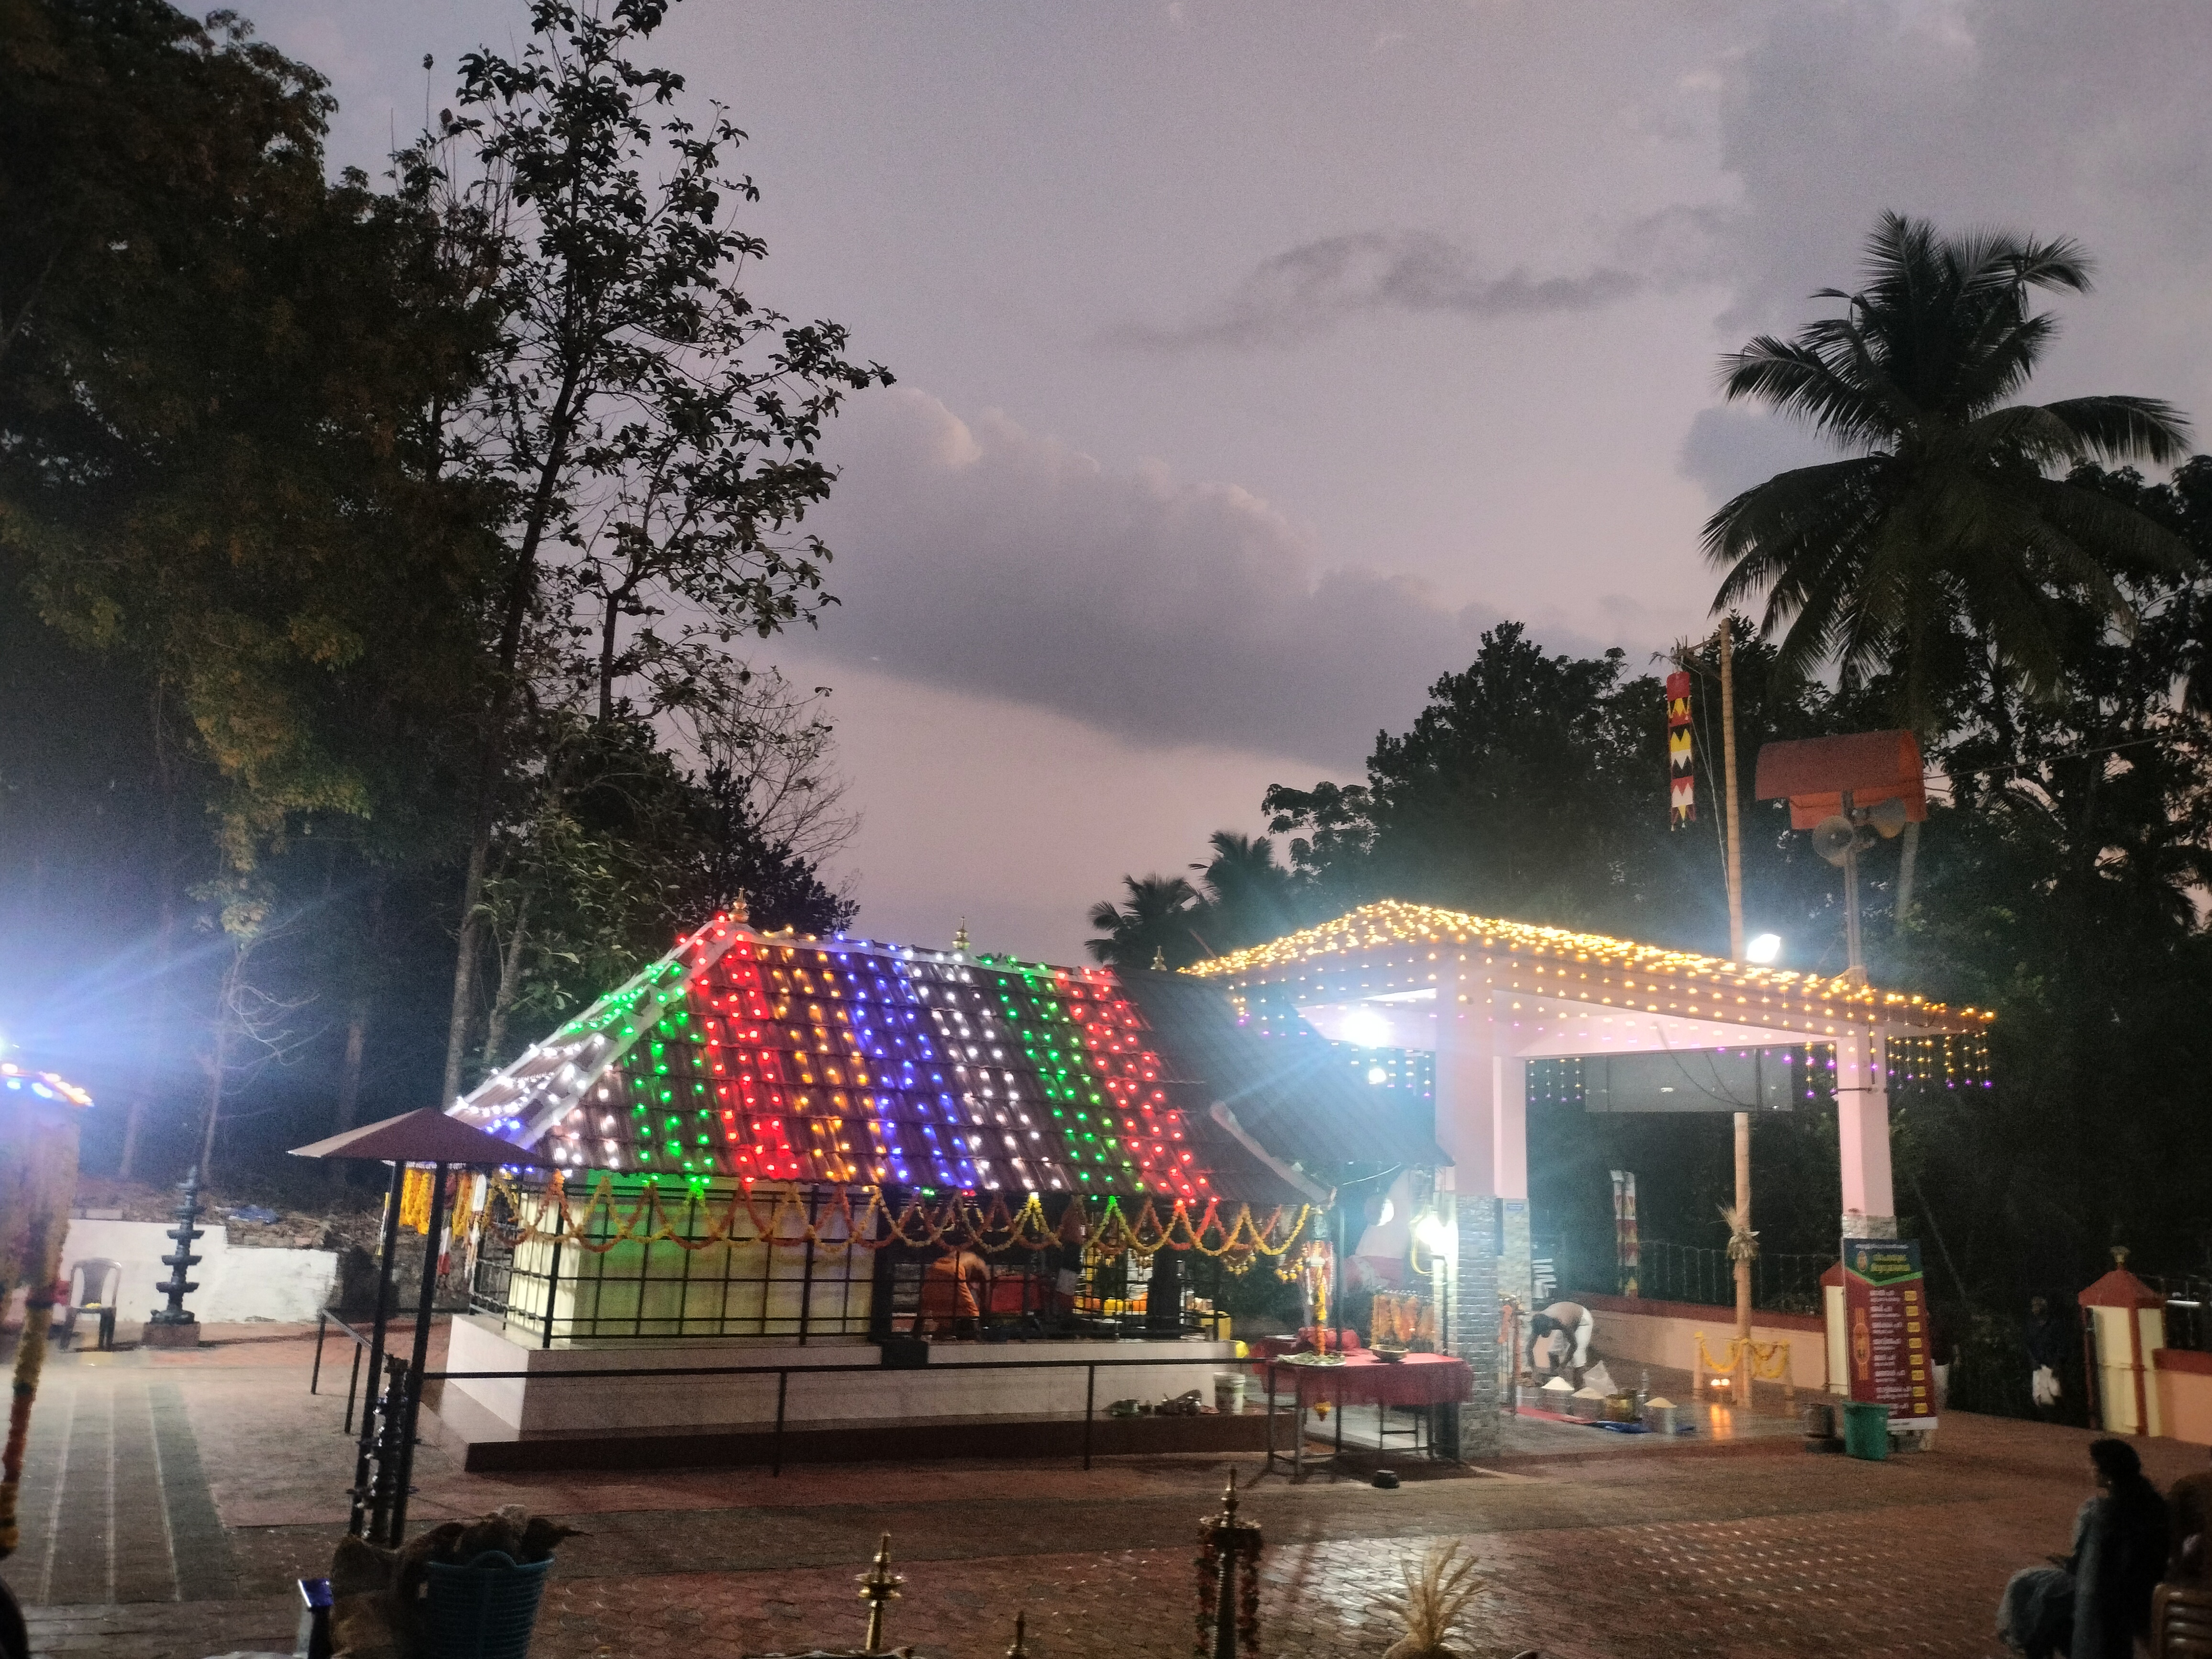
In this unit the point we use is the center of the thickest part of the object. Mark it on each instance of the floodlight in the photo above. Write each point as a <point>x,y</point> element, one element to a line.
<point>1762,948</point>
<point>1435,1234</point>
<point>1377,1075</point>
<point>1365,1029</point>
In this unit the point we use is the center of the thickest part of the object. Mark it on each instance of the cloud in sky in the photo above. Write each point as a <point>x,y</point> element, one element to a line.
<point>1312,288</point>
<point>1976,113</point>
<point>982,556</point>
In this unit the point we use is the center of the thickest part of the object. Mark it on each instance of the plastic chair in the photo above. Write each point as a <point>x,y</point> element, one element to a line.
<point>2181,1622</point>
<point>102,1281</point>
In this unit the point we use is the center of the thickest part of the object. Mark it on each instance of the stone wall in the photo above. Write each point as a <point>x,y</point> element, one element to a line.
<point>1478,1223</point>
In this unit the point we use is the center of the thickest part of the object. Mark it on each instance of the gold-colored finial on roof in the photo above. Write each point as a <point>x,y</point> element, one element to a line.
<point>1159,958</point>
<point>1020,1649</point>
<point>960,938</point>
<point>740,916</point>
<point>2119,1256</point>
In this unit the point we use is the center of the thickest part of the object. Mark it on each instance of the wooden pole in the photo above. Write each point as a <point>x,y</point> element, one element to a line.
<point>1734,821</point>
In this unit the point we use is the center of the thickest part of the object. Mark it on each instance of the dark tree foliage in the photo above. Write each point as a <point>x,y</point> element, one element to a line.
<point>1943,513</point>
<point>2063,870</point>
<point>1151,925</point>
<point>261,431</point>
<point>742,859</point>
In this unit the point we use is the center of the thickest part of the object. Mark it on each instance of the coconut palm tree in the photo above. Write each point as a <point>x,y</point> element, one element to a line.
<point>1941,549</point>
<point>1248,896</point>
<point>1151,924</point>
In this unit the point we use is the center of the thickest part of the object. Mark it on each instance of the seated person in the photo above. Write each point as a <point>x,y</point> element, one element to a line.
<point>2094,1602</point>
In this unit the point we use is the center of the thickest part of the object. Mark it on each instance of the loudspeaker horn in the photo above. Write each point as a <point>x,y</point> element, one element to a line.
<point>1887,817</point>
<point>1834,837</point>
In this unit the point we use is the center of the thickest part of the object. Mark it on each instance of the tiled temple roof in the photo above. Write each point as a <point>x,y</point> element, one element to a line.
<point>850,1062</point>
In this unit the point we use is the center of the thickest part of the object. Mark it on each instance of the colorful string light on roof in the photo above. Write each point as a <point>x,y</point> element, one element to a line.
<point>851,1063</point>
<point>1393,947</point>
<point>41,1085</point>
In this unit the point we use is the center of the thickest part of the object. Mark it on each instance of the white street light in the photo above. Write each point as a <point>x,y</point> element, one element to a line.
<point>1763,949</point>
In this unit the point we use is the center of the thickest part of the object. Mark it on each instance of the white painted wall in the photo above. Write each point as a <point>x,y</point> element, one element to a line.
<point>235,1283</point>
<point>948,1388</point>
<point>1670,1340</point>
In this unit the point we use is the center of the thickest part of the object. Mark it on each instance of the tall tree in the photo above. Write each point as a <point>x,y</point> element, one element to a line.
<point>1532,785</point>
<point>1153,924</point>
<point>1248,896</point>
<point>217,477</point>
<point>1945,510</point>
<point>656,428</point>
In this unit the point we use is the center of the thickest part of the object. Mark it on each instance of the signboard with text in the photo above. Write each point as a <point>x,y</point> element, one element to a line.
<point>1885,1327</point>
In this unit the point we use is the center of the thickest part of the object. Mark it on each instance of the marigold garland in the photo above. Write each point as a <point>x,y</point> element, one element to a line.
<point>962,1222</point>
<point>1769,1360</point>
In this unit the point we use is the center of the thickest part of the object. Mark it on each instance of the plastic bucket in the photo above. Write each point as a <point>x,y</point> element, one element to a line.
<point>485,1609</point>
<point>1229,1392</point>
<point>1866,1430</point>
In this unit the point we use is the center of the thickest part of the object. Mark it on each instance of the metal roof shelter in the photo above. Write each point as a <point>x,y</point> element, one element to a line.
<point>1485,997</point>
<point>1813,774</point>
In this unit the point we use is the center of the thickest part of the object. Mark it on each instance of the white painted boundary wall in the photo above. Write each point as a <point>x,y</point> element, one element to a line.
<point>236,1283</point>
<point>949,1386</point>
<point>1649,1332</point>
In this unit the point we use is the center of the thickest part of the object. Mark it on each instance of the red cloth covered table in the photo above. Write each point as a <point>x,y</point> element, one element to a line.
<point>1419,1379</point>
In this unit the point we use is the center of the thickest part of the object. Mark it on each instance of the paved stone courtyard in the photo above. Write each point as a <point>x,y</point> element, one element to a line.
<point>171,1499</point>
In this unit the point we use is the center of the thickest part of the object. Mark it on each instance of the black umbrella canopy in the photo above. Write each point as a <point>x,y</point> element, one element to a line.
<point>425,1136</point>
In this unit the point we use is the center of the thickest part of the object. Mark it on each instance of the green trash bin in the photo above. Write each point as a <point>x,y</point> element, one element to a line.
<point>1866,1430</point>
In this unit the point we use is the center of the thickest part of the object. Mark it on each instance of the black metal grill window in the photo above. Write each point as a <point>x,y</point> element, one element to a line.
<point>605,1286</point>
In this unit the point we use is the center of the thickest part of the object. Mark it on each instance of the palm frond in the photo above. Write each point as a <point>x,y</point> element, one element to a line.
<point>2063,262</point>
<point>1996,360</point>
<point>1800,381</point>
<point>2111,531</point>
<point>1781,508</point>
<point>2124,429</point>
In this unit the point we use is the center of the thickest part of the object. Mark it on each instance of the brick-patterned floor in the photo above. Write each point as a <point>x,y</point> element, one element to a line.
<point>170,1499</point>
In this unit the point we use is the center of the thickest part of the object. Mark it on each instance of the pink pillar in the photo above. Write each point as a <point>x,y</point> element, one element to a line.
<point>1508,1139</point>
<point>1862,1133</point>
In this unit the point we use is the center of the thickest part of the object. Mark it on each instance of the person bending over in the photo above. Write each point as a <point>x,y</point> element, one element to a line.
<point>1564,1324</point>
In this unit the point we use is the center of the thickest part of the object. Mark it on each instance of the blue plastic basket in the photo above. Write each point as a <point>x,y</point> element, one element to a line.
<point>486,1609</point>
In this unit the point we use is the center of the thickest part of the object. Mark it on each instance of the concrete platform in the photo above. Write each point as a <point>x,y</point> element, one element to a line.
<point>614,1406</point>
<point>744,1445</point>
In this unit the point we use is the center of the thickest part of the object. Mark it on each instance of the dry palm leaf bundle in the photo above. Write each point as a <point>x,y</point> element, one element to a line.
<point>1438,1594</point>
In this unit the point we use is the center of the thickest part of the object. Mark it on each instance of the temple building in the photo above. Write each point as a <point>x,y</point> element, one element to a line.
<point>837,1154</point>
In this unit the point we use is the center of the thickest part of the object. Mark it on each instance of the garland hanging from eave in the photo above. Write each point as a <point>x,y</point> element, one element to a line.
<point>957,1221</point>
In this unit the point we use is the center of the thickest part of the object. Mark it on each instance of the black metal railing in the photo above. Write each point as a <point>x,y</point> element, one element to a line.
<point>2188,1309</point>
<point>1781,1281</point>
